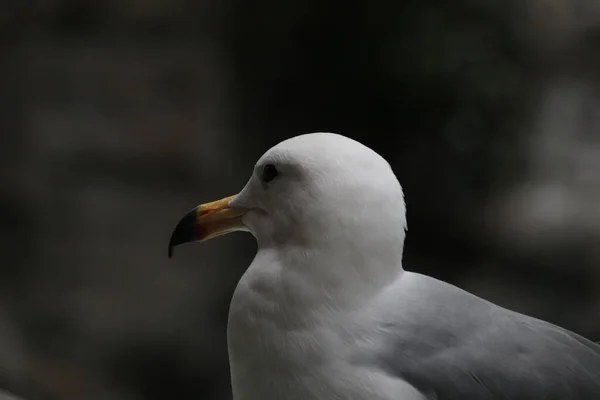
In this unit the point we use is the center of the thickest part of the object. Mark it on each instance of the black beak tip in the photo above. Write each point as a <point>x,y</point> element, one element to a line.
<point>171,248</point>
<point>184,231</point>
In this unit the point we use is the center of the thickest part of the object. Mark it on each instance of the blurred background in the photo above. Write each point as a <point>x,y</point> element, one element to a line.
<point>118,116</point>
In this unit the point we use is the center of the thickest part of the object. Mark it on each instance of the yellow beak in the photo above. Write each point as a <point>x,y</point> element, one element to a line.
<point>206,222</point>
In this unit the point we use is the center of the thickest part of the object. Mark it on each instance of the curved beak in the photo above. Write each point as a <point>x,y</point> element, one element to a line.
<point>207,221</point>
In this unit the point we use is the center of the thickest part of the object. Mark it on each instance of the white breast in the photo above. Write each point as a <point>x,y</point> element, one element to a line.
<point>277,355</point>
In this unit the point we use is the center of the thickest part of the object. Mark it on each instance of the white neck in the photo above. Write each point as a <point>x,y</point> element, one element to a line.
<point>289,311</point>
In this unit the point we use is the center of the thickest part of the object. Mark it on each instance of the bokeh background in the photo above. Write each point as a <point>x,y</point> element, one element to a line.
<point>119,116</point>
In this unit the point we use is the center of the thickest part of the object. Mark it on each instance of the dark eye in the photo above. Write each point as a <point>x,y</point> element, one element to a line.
<point>269,173</point>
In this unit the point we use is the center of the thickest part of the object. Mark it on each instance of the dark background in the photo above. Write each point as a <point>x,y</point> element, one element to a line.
<point>119,116</point>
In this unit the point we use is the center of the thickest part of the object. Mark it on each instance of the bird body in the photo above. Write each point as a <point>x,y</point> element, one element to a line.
<point>420,338</point>
<point>326,311</point>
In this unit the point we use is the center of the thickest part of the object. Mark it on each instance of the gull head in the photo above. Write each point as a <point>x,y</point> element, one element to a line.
<point>314,191</point>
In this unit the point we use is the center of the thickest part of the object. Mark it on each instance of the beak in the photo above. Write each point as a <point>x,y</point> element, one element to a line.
<point>206,222</point>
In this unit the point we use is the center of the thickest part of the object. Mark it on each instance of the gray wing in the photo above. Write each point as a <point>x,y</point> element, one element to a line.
<point>454,345</point>
<point>7,396</point>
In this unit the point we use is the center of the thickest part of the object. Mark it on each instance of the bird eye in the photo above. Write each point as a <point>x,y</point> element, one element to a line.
<point>269,173</point>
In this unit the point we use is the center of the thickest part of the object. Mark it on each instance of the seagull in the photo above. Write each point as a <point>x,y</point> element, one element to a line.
<point>325,311</point>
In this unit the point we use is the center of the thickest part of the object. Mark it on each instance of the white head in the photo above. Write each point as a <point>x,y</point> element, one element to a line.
<point>315,195</point>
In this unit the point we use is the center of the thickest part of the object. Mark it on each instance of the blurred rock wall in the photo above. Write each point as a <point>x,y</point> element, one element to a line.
<point>117,117</point>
